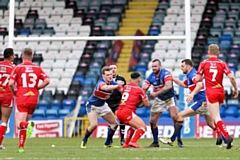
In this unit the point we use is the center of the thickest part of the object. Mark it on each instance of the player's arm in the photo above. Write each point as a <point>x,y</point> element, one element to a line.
<point>234,84</point>
<point>167,86</point>
<point>146,85</point>
<point>200,72</point>
<point>199,86</point>
<point>180,83</point>
<point>11,86</point>
<point>106,87</point>
<point>144,98</point>
<point>45,82</point>
<point>146,102</point>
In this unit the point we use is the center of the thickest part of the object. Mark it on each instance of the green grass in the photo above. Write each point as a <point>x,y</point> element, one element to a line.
<point>68,148</point>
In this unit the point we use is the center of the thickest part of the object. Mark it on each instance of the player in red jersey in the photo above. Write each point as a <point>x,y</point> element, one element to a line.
<point>26,77</point>
<point>213,71</point>
<point>131,97</point>
<point>6,96</point>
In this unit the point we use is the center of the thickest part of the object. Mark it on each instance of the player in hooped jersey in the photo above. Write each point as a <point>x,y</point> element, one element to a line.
<point>165,99</point>
<point>97,105</point>
<point>6,96</point>
<point>213,71</point>
<point>26,77</point>
<point>131,97</point>
<point>197,95</point>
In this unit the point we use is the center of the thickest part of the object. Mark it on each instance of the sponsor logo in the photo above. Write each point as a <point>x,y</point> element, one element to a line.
<point>47,126</point>
<point>47,135</point>
<point>207,132</point>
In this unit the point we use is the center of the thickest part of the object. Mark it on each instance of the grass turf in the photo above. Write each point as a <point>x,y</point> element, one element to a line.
<point>69,149</point>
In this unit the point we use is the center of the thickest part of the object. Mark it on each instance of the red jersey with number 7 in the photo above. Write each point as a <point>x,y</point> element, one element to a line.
<point>213,70</point>
<point>131,96</point>
<point>5,72</point>
<point>26,77</point>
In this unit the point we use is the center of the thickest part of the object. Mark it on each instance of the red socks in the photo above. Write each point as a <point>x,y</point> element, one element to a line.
<point>22,137</point>
<point>138,133</point>
<point>216,129</point>
<point>130,133</point>
<point>2,133</point>
<point>222,128</point>
<point>23,125</point>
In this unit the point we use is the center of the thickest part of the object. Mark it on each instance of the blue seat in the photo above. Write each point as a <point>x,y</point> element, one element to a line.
<point>141,112</point>
<point>43,104</point>
<point>63,112</point>
<point>52,113</point>
<point>232,103</point>
<point>222,111</point>
<point>165,114</point>
<point>55,104</point>
<point>82,111</point>
<point>68,104</point>
<point>154,31</point>
<point>231,112</point>
<point>227,37</point>
<point>39,113</point>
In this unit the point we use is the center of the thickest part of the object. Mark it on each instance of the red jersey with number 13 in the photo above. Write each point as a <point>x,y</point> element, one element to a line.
<point>27,76</point>
<point>131,96</point>
<point>213,70</point>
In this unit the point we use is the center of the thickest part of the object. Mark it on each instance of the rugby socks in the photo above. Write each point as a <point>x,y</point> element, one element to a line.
<point>138,133</point>
<point>109,136</point>
<point>130,133</point>
<point>221,126</point>
<point>177,131</point>
<point>87,135</point>
<point>23,125</point>
<point>3,129</point>
<point>122,130</point>
<point>155,134</point>
<point>218,132</point>
<point>22,137</point>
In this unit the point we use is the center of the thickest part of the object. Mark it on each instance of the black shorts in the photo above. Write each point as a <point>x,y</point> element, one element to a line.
<point>114,108</point>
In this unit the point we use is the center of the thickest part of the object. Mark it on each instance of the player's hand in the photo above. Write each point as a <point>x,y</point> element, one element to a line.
<point>145,87</point>
<point>189,98</point>
<point>235,93</point>
<point>120,84</point>
<point>153,95</point>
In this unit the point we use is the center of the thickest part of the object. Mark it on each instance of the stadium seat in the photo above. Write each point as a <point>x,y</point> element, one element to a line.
<point>68,104</point>
<point>51,113</point>
<point>39,113</point>
<point>232,103</point>
<point>63,112</point>
<point>43,104</point>
<point>231,112</point>
<point>55,104</point>
<point>141,112</point>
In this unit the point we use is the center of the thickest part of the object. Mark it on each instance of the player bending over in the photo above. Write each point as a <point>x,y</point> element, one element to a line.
<point>165,99</point>
<point>26,77</point>
<point>115,98</point>
<point>213,70</point>
<point>97,105</point>
<point>131,97</point>
<point>197,95</point>
<point>6,96</point>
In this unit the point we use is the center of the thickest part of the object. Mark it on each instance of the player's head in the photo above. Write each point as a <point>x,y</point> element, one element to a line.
<point>186,65</point>
<point>156,66</point>
<point>213,50</point>
<point>135,77</point>
<point>8,54</point>
<point>114,70</point>
<point>107,73</point>
<point>27,54</point>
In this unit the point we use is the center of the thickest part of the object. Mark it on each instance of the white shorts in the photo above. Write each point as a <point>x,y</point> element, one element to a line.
<point>100,110</point>
<point>162,105</point>
<point>201,109</point>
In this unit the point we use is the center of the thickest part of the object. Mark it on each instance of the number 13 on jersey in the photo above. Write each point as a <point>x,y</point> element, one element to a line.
<point>29,80</point>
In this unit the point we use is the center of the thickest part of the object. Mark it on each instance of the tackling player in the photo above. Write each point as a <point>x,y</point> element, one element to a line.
<point>115,99</point>
<point>197,95</point>
<point>26,77</point>
<point>165,99</point>
<point>213,71</point>
<point>97,105</point>
<point>131,97</point>
<point>6,96</point>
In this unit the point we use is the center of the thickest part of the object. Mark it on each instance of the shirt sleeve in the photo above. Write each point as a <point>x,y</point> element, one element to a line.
<point>13,75</point>
<point>226,69</point>
<point>185,82</point>
<point>100,85</point>
<point>167,76</point>
<point>43,75</point>
<point>148,81</point>
<point>201,69</point>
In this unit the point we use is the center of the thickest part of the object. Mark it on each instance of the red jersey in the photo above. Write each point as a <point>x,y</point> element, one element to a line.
<point>131,96</point>
<point>213,70</point>
<point>6,68</point>
<point>26,77</point>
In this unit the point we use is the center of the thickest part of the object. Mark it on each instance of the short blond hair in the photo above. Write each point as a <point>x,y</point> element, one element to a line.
<point>213,49</point>
<point>27,52</point>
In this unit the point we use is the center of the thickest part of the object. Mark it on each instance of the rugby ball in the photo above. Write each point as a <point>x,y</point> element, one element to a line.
<point>140,105</point>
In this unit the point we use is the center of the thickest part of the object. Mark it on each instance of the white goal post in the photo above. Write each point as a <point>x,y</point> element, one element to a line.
<point>186,37</point>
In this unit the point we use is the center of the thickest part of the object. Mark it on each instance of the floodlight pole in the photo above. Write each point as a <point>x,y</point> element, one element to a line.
<point>11,23</point>
<point>188,28</point>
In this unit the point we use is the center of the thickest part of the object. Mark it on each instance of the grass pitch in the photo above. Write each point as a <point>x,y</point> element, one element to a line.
<point>68,149</point>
